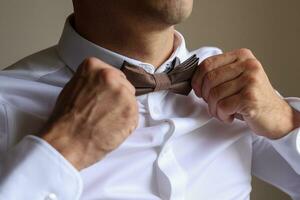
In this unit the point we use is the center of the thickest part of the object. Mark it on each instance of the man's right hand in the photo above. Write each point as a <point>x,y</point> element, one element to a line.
<point>95,112</point>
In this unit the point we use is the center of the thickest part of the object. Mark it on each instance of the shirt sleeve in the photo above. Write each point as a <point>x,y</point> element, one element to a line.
<point>33,169</point>
<point>278,161</point>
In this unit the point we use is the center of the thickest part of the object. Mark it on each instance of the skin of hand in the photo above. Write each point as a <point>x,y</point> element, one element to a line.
<point>95,112</point>
<point>235,85</point>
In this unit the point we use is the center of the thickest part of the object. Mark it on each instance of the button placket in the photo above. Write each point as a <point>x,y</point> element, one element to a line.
<point>176,176</point>
<point>167,166</point>
<point>154,104</point>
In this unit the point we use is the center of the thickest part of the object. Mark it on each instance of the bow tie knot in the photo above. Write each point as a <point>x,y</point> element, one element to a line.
<point>162,82</point>
<point>178,80</point>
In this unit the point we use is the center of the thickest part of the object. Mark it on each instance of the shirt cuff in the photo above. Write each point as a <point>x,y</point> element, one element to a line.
<point>289,146</point>
<point>34,170</point>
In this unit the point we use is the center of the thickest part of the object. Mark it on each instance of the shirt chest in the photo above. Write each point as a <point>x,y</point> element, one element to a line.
<point>174,155</point>
<point>177,151</point>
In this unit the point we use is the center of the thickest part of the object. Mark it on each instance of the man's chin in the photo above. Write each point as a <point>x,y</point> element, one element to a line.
<point>173,20</point>
<point>172,17</point>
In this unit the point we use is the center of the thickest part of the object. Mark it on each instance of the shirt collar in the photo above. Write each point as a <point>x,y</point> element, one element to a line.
<point>73,49</point>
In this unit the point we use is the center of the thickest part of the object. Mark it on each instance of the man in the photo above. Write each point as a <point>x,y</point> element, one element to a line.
<point>73,126</point>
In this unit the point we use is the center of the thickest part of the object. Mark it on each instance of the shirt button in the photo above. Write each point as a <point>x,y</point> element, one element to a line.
<point>51,196</point>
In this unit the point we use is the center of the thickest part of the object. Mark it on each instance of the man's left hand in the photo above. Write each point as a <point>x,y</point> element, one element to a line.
<point>235,84</point>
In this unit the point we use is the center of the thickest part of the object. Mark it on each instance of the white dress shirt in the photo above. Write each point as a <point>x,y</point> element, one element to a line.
<point>177,152</point>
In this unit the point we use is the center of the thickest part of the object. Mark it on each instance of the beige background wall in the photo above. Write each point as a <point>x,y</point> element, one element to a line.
<point>270,28</point>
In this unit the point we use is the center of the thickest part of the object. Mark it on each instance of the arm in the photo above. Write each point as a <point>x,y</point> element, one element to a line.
<point>22,169</point>
<point>235,85</point>
<point>79,133</point>
<point>35,170</point>
<point>278,161</point>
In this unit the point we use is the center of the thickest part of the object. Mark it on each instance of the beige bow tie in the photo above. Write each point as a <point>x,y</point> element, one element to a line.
<point>178,80</point>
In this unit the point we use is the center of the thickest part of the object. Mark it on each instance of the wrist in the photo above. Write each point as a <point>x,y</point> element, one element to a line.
<point>60,142</point>
<point>290,120</point>
<point>75,149</point>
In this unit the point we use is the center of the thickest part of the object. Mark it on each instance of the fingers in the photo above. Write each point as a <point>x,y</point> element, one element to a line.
<point>227,107</point>
<point>220,75</point>
<point>220,79</point>
<point>92,64</point>
<point>128,85</point>
<point>207,66</point>
<point>215,62</point>
<point>112,80</point>
<point>223,91</point>
<point>242,105</point>
<point>93,69</point>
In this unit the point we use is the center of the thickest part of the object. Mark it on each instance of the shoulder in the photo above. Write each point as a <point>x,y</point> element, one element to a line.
<point>35,66</point>
<point>32,84</point>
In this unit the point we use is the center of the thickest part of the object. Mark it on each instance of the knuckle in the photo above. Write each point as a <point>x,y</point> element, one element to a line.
<point>250,112</point>
<point>107,76</point>
<point>250,79</point>
<point>130,112</point>
<point>214,94</point>
<point>222,105</point>
<point>115,89</point>
<point>90,62</point>
<point>249,95</point>
<point>119,91</point>
<point>252,64</point>
<point>207,64</point>
<point>231,67</point>
<point>83,69</point>
<point>244,52</point>
<point>210,77</point>
<point>88,66</point>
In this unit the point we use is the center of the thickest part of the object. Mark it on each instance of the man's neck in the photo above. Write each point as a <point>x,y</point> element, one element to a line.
<point>133,38</point>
